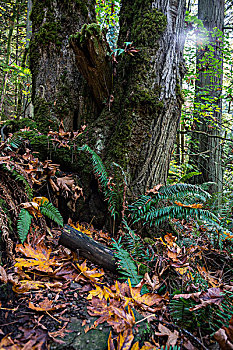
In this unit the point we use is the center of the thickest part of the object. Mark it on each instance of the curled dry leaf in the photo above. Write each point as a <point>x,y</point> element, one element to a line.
<point>3,275</point>
<point>172,336</point>
<point>45,305</point>
<point>223,340</point>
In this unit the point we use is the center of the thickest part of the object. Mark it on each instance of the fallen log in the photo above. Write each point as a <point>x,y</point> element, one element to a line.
<point>88,248</point>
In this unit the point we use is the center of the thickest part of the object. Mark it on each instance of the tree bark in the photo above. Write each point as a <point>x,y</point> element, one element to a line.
<point>208,104</point>
<point>133,110</point>
<point>88,248</point>
<point>139,128</point>
<point>59,92</point>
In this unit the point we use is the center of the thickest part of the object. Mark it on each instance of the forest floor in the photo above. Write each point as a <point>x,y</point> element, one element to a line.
<point>52,298</point>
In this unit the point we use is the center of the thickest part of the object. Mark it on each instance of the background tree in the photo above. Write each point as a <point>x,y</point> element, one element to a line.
<point>14,75</point>
<point>208,90</point>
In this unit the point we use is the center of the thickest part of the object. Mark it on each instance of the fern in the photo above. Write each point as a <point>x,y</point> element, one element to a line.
<point>23,224</point>
<point>134,243</point>
<point>167,193</point>
<point>19,177</point>
<point>51,212</point>
<point>28,189</point>
<point>105,183</point>
<point>127,266</point>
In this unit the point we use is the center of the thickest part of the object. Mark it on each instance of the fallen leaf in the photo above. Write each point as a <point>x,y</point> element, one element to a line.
<point>172,336</point>
<point>45,305</point>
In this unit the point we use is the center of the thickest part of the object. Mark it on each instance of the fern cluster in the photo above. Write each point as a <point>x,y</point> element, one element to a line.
<point>25,218</point>
<point>162,206</point>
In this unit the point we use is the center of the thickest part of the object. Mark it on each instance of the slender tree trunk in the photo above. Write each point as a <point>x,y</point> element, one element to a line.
<point>8,55</point>
<point>208,104</point>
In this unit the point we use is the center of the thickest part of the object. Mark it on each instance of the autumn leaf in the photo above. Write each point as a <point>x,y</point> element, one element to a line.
<point>172,336</point>
<point>90,274</point>
<point>3,275</point>
<point>38,258</point>
<point>194,206</point>
<point>125,339</point>
<point>101,293</point>
<point>148,299</point>
<point>24,286</point>
<point>135,346</point>
<point>110,342</point>
<point>45,305</point>
<point>149,346</point>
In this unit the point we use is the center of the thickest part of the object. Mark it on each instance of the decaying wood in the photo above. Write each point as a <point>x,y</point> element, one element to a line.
<point>91,54</point>
<point>88,248</point>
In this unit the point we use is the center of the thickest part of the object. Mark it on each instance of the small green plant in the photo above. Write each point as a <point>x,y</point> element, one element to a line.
<point>42,208</point>
<point>127,266</point>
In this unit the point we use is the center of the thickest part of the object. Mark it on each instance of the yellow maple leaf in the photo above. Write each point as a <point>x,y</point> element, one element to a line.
<point>90,274</point>
<point>148,299</point>
<point>101,293</point>
<point>37,258</point>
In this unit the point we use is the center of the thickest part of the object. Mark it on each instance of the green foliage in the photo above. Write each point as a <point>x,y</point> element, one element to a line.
<point>211,317</point>
<point>23,224</point>
<point>127,267</point>
<point>163,205</point>
<point>20,177</point>
<point>51,212</point>
<point>25,218</point>
<point>106,183</point>
<point>107,15</point>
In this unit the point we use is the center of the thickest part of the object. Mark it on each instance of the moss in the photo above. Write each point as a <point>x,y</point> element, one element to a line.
<point>86,32</point>
<point>43,116</point>
<point>83,7</point>
<point>179,93</point>
<point>17,124</point>
<point>149,28</point>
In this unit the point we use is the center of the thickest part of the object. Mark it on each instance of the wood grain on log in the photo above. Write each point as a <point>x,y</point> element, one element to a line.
<point>88,248</point>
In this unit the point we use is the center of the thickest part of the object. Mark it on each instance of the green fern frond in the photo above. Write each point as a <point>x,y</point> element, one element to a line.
<point>157,215</point>
<point>51,212</point>
<point>20,177</point>
<point>134,243</point>
<point>145,203</point>
<point>179,191</point>
<point>103,177</point>
<point>23,224</point>
<point>28,188</point>
<point>127,266</point>
<point>16,141</point>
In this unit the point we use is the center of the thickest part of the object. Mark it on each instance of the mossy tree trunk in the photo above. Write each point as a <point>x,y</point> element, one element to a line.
<point>135,106</point>
<point>59,90</point>
<point>208,103</point>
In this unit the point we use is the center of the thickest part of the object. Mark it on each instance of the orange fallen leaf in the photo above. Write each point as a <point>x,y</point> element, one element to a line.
<point>39,258</point>
<point>45,305</point>
<point>91,274</point>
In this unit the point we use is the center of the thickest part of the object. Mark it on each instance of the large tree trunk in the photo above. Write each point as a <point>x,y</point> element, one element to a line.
<point>138,129</point>
<point>208,104</point>
<point>59,90</point>
<point>135,106</point>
